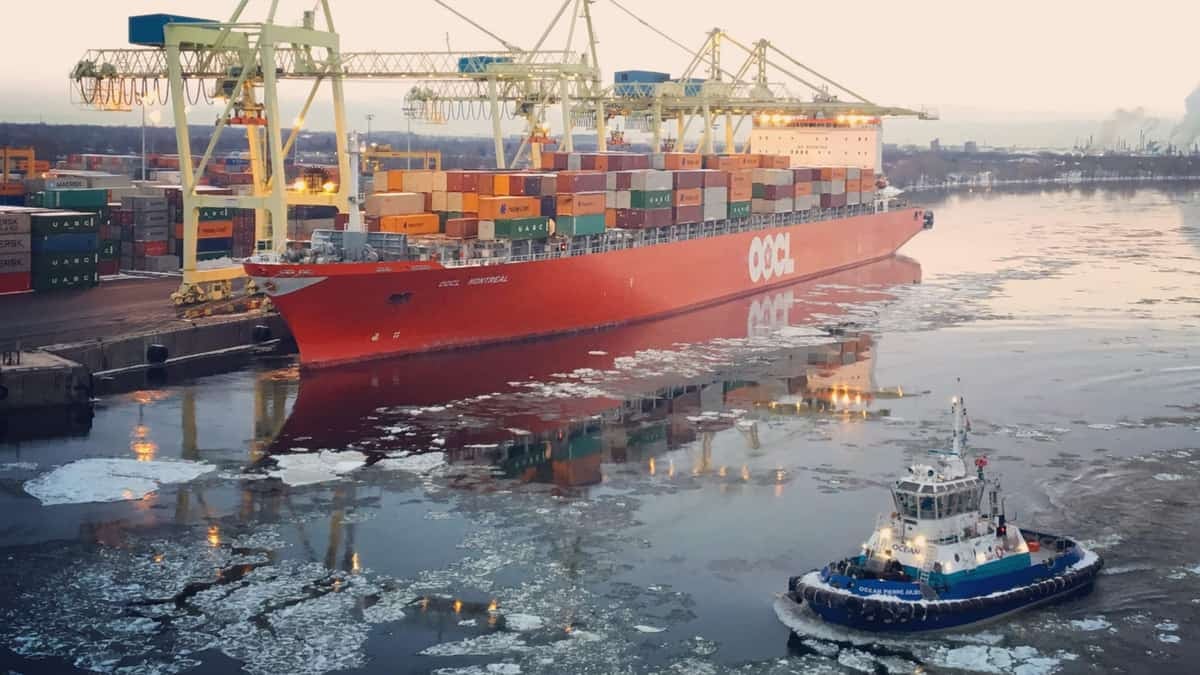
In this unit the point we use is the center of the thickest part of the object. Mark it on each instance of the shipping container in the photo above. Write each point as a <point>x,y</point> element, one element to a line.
<point>493,208</point>
<point>11,263</point>
<point>214,229</point>
<point>660,199</point>
<point>418,223</point>
<point>149,30</point>
<point>394,204</point>
<point>15,282</point>
<point>515,228</point>
<point>61,222</point>
<point>739,209</point>
<point>72,242</point>
<point>462,228</point>
<point>689,197</point>
<point>580,204</point>
<point>572,226</point>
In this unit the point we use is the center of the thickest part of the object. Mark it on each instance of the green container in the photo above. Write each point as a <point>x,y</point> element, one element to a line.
<point>739,209</point>
<point>658,199</point>
<point>758,191</point>
<point>572,226</point>
<point>213,255</point>
<point>110,249</point>
<point>443,216</point>
<point>63,261</point>
<point>523,228</point>
<point>82,276</point>
<point>582,446</point>
<point>211,213</point>
<point>62,222</point>
<point>75,198</point>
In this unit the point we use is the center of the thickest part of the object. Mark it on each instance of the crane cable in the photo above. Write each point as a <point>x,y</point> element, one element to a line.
<point>507,45</point>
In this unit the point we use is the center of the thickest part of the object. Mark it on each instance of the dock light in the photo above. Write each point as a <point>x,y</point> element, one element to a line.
<point>841,119</point>
<point>355,566</point>
<point>900,392</point>
<point>763,119</point>
<point>458,605</point>
<point>214,536</point>
<point>299,185</point>
<point>330,187</point>
<point>493,605</point>
<point>776,119</point>
<point>651,466</point>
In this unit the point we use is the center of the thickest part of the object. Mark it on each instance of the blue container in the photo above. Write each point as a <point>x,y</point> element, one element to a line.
<point>212,245</point>
<point>549,205</point>
<point>479,64</point>
<point>147,29</point>
<point>634,89</point>
<point>74,242</point>
<point>642,76</point>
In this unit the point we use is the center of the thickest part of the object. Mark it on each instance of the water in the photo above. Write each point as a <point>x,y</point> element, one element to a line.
<point>633,501</point>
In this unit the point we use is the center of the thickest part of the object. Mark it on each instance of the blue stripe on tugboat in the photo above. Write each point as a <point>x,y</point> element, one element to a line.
<point>979,566</point>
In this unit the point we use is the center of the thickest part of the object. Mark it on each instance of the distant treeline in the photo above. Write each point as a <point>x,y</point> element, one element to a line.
<point>909,168</point>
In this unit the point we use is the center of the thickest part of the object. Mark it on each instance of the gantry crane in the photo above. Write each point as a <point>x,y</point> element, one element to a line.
<point>242,63</point>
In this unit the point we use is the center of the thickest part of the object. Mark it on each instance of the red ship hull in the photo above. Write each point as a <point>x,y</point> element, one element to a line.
<point>346,312</point>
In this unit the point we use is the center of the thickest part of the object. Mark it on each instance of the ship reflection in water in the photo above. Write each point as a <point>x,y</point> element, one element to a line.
<point>556,411</point>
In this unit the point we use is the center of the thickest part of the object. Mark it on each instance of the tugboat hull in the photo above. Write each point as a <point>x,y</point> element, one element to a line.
<point>878,613</point>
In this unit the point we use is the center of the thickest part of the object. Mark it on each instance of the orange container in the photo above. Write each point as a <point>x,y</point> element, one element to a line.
<point>689,197</point>
<point>581,204</point>
<point>214,229</point>
<point>741,186</point>
<point>495,208</point>
<point>610,218</point>
<point>470,202</point>
<point>395,181</point>
<point>839,173</point>
<point>804,189</point>
<point>500,185</point>
<point>416,223</point>
<point>601,165</point>
<point>826,174</point>
<point>774,162</point>
<point>682,161</point>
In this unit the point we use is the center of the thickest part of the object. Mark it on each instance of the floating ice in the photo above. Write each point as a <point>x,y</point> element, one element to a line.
<point>18,466</point>
<point>311,468</point>
<point>110,480</point>
<point>1102,427</point>
<point>523,622</point>
<point>423,463</point>
<point>648,629</point>
<point>597,353</point>
<point>1091,624</point>
<point>1168,476</point>
<point>1168,638</point>
<point>1168,626</point>
<point>484,645</point>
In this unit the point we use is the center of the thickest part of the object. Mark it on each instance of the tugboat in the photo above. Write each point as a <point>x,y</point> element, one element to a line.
<point>946,557</point>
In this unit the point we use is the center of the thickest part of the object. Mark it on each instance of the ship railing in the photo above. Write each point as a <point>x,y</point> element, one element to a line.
<point>617,240</point>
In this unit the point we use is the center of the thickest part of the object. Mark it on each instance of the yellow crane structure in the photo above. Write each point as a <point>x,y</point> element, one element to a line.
<point>242,63</point>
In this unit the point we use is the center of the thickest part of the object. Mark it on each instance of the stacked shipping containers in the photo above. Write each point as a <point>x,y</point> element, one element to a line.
<point>15,249</point>
<point>63,247</point>
<point>145,230</point>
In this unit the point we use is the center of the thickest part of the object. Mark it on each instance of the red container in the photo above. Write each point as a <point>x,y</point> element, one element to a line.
<point>833,201</point>
<point>715,179</point>
<point>642,218</point>
<point>581,181</point>
<point>688,179</point>
<point>689,214</point>
<point>462,228</point>
<point>805,175</point>
<point>14,282</point>
<point>778,191</point>
<point>142,249</point>
<point>107,267</point>
<point>624,180</point>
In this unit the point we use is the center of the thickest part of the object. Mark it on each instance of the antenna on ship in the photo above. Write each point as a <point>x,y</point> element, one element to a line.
<point>962,424</point>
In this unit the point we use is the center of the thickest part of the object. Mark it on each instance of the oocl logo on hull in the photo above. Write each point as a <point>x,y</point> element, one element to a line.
<point>771,256</point>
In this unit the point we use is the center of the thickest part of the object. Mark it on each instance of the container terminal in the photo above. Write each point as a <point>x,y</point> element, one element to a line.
<point>113,262</point>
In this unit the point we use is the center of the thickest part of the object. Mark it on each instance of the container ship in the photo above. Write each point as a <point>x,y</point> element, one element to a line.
<point>454,259</point>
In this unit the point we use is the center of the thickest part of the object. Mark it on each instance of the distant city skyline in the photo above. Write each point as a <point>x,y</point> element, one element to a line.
<point>1033,63</point>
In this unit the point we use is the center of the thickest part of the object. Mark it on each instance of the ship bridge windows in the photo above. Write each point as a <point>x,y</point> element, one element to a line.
<point>931,502</point>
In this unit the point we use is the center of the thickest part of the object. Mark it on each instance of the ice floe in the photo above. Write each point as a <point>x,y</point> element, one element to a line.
<point>647,629</point>
<point>1091,624</point>
<point>319,467</point>
<point>484,645</point>
<point>1168,476</point>
<point>110,480</point>
<point>523,622</point>
<point>422,463</point>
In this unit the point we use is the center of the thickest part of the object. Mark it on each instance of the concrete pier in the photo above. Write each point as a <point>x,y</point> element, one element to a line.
<point>42,380</point>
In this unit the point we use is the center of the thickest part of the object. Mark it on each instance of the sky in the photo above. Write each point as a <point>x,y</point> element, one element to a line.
<point>1018,61</point>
